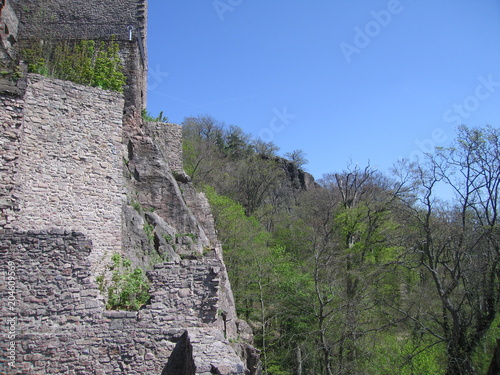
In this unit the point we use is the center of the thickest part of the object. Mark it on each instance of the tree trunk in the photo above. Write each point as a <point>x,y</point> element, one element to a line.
<point>298,355</point>
<point>459,361</point>
<point>495,361</point>
<point>263,322</point>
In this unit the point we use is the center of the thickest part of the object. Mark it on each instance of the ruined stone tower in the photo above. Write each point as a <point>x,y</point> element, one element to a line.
<point>82,178</point>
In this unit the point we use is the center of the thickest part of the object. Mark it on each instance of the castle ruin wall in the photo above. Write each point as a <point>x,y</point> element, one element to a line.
<point>62,327</point>
<point>69,166</point>
<point>122,20</point>
<point>11,115</point>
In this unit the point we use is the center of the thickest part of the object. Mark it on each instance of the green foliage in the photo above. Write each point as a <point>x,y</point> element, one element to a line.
<point>107,68</point>
<point>167,238</point>
<point>127,289</point>
<point>136,205</point>
<point>339,277</point>
<point>394,354</point>
<point>150,231</point>
<point>484,351</point>
<point>269,285</point>
<point>85,62</point>
<point>146,116</point>
<point>193,236</point>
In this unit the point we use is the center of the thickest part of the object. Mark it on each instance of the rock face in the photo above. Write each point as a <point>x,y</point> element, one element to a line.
<point>181,227</point>
<point>299,179</point>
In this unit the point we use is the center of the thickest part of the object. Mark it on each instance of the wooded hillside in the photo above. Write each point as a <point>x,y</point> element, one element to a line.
<point>362,272</point>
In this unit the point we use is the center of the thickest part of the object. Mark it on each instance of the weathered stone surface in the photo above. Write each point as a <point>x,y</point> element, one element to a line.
<point>168,138</point>
<point>156,189</point>
<point>69,168</point>
<point>59,317</point>
<point>11,117</point>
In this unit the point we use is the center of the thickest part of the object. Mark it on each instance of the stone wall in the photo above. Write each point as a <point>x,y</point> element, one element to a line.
<point>80,178</point>
<point>68,161</point>
<point>168,137</point>
<point>63,328</point>
<point>11,116</point>
<point>80,19</point>
<point>123,20</point>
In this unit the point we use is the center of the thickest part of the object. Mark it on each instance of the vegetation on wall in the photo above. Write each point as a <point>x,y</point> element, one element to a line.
<point>148,117</point>
<point>368,273</point>
<point>124,287</point>
<point>86,62</point>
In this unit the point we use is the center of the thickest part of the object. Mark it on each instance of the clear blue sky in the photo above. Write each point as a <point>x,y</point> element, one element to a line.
<point>340,79</point>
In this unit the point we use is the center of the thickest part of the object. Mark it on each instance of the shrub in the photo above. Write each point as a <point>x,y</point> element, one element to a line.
<point>127,289</point>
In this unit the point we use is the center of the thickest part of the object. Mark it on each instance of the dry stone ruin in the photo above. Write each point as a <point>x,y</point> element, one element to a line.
<point>83,178</point>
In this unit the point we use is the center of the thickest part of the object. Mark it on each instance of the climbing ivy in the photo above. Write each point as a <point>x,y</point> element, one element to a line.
<point>85,62</point>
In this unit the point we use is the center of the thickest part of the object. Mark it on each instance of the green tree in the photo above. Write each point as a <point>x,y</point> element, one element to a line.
<point>266,149</point>
<point>237,143</point>
<point>255,181</point>
<point>203,144</point>
<point>270,288</point>
<point>350,244</point>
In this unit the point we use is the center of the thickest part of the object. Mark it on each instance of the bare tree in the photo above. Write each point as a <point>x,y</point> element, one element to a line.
<point>298,157</point>
<point>455,246</point>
